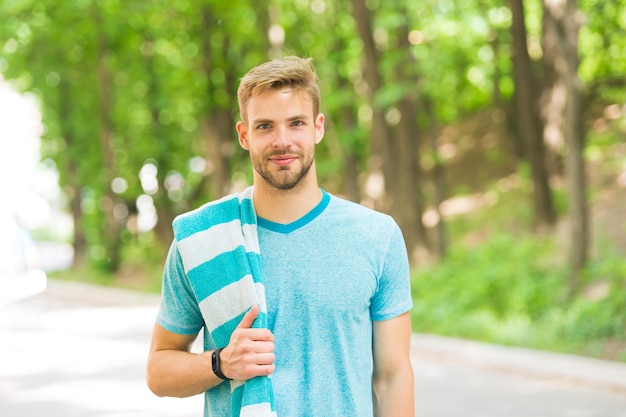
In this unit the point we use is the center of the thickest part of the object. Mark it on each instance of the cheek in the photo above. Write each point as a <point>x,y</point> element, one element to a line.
<point>256,151</point>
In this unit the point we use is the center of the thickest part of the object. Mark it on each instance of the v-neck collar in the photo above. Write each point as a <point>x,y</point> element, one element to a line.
<point>297,224</point>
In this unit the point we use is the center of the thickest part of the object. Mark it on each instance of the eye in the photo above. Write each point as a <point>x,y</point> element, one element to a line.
<point>264,126</point>
<point>297,123</point>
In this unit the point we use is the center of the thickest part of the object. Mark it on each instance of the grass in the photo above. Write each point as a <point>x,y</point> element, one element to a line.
<point>502,284</point>
<point>141,270</point>
<point>137,277</point>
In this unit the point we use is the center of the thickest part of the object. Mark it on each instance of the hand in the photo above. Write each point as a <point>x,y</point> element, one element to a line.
<point>250,352</point>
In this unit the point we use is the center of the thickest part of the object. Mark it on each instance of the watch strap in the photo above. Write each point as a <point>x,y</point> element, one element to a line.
<point>216,363</point>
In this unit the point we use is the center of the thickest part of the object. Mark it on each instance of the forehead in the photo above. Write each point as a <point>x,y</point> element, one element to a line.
<point>282,101</point>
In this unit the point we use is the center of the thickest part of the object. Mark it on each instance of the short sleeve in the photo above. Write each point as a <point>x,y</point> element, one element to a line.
<point>393,296</point>
<point>179,311</point>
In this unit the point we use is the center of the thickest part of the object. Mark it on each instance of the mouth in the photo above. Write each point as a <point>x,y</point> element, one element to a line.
<point>282,160</point>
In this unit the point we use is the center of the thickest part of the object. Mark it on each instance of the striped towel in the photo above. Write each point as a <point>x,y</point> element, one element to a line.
<point>219,246</point>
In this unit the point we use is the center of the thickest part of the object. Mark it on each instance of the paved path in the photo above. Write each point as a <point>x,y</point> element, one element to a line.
<point>460,378</point>
<point>77,350</point>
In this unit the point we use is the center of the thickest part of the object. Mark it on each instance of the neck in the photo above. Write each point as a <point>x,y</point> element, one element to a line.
<point>286,206</point>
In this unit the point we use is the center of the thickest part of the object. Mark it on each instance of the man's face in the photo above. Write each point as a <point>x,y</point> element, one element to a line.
<point>281,135</point>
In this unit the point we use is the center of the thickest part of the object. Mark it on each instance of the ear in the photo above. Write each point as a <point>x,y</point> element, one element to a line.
<point>319,128</point>
<point>242,133</point>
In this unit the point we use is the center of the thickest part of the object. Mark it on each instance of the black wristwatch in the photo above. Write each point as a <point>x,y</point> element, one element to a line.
<point>217,368</point>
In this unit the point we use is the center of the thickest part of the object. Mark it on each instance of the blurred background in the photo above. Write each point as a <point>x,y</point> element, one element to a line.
<point>494,132</point>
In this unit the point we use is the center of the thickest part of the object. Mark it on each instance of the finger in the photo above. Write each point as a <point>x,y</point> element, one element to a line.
<point>265,359</point>
<point>249,317</point>
<point>251,337</point>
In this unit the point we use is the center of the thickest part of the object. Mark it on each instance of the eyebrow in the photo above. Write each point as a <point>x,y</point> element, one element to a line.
<point>261,121</point>
<point>290,119</point>
<point>298,117</point>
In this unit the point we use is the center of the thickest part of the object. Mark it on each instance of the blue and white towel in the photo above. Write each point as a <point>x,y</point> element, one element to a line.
<point>219,246</point>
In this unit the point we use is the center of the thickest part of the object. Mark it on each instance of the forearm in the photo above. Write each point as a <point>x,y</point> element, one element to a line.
<point>173,373</point>
<point>394,394</point>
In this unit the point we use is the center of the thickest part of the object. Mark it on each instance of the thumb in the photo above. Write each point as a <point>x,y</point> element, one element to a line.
<point>249,317</point>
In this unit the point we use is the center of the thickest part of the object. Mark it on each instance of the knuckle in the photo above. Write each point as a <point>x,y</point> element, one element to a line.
<point>247,347</point>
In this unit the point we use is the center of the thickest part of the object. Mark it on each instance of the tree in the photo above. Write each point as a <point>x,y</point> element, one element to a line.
<point>394,144</point>
<point>528,122</point>
<point>562,109</point>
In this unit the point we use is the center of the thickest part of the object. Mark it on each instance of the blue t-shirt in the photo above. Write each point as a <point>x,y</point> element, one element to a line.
<point>326,276</point>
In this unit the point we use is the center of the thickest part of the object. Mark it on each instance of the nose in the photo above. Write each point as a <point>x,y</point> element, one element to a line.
<point>281,140</point>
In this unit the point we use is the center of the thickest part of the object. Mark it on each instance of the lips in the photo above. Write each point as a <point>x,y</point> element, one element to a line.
<point>283,160</point>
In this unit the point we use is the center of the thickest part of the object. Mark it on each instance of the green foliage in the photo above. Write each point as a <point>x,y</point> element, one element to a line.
<point>597,320</point>
<point>510,290</point>
<point>608,35</point>
<point>508,276</point>
<point>141,269</point>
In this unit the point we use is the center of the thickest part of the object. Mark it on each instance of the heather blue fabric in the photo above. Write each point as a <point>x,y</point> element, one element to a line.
<point>327,276</point>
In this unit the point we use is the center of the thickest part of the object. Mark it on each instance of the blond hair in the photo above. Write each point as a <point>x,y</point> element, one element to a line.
<point>292,71</point>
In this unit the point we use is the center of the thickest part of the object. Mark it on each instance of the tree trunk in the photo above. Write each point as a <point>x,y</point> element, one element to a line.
<point>110,226</point>
<point>395,156</point>
<point>163,204</point>
<point>407,200</point>
<point>217,126</point>
<point>79,241</point>
<point>72,186</point>
<point>347,129</point>
<point>438,182</point>
<point>350,183</point>
<point>563,108</point>
<point>528,121</point>
<point>380,136</point>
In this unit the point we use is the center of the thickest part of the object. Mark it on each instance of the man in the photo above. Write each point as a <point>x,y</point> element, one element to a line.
<point>321,326</point>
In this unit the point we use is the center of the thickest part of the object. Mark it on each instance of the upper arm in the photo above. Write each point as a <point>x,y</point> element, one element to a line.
<point>390,309</point>
<point>163,339</point>
<point>172,370</point>
<point>393,292</point>
<point>179,311</point>
<point>391,345</point>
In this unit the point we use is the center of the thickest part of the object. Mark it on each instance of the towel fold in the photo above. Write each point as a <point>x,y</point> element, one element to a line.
<point>219,247</point>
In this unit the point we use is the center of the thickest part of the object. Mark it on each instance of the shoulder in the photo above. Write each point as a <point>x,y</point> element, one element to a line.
<point>347,217</point>
<point>211,207</point>
<point>237,206</point>
<point>351,210</point>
